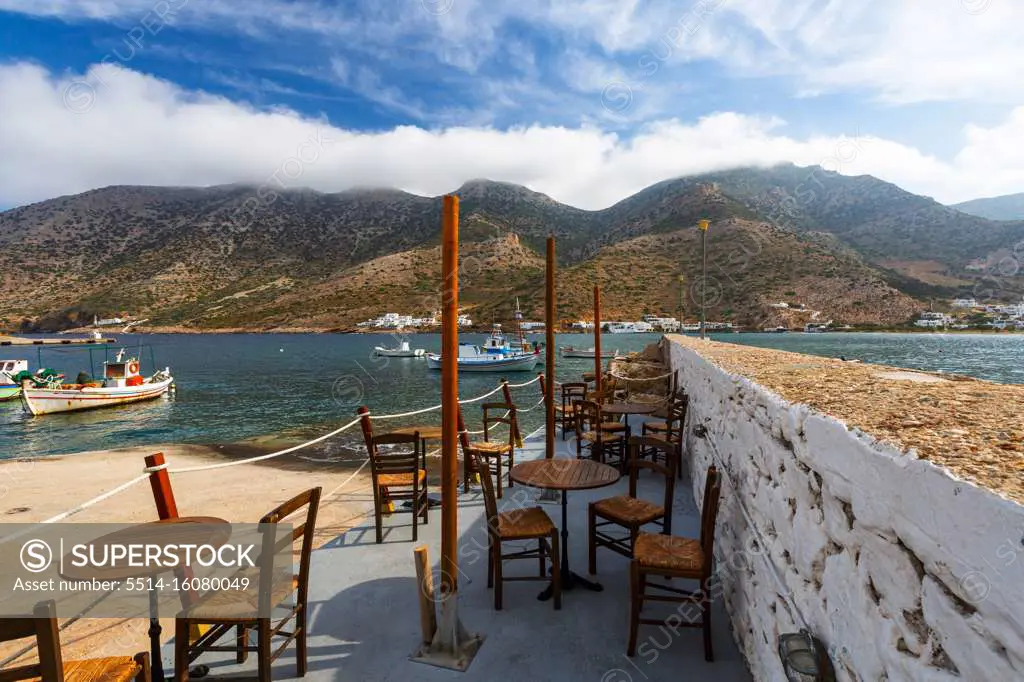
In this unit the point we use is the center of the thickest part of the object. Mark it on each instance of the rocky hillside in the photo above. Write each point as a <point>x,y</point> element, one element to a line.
<point>857,249</point>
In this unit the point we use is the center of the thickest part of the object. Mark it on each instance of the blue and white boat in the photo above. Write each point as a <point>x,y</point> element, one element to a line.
<point>496,355</point>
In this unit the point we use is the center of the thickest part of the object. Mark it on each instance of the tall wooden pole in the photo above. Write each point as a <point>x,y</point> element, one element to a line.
<point>449,392</point>
<point>549,352</point>
<point>452,647</point>
<point>597,337</point>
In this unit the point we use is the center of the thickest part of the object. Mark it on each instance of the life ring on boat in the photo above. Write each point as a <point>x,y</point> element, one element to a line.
<point>133,367</point>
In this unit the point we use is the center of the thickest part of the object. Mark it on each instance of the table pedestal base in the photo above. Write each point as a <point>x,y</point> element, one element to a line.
<point>571,581</point>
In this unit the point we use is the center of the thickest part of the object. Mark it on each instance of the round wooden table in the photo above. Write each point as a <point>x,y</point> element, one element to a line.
<point>208,530</point>
<point>427,432</point>
<point>565,475</point>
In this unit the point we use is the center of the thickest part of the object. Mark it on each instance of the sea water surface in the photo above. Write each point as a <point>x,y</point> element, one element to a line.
<point>236,387</point>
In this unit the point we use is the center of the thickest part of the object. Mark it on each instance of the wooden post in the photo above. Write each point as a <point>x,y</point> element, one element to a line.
<point>452,646</point>
<point>449,392</point>
<point>597,337</point>
<point>543,385</point>
<point>425,581</point>
<point>160,482</point>
<point>549,352</point>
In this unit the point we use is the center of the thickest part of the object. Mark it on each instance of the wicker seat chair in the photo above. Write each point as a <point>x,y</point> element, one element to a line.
<point>630,512</point>
<point>670,556</point>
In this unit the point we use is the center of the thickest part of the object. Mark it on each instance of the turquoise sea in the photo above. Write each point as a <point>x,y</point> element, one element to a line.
<point>241,386</point>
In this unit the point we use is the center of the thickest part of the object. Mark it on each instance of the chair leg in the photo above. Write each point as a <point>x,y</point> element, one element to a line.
<point>378,515</point>
<point>556,570</point>
<point>592,539</point>
<point>497,576</point>
<point>511,463</point>
<point>263,651</point>
<point>709,654</point>
<point>242,642</point>
<point>541,546</point>
<point>490,562</point>
<point>415,516</point>
<point>634,606</point>
<point>181,628</point>
<point>301,647</point>
<point>426,504</point>
<point>497,474</point>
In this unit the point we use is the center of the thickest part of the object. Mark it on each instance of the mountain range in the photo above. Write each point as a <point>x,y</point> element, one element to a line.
<point>1006,207</point>
<point>855,250</point>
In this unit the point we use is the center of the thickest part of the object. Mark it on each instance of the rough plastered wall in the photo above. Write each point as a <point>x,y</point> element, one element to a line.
<point>902,570</point>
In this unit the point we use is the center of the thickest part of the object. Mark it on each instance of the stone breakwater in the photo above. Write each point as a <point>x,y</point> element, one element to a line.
<point>881,507</point>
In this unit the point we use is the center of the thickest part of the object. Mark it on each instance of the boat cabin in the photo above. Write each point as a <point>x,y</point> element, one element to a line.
<point>120,373</point>
<point>12,367</point>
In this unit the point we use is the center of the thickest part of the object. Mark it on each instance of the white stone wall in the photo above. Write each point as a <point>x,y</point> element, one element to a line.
<point>902,570</point>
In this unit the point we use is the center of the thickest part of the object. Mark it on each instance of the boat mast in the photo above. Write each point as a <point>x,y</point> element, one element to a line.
<point>519,326</point>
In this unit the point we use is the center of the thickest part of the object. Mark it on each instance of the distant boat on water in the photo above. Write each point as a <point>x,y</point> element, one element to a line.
<point>497,354</point>
<point>573,352</point>
<point>403,351</point>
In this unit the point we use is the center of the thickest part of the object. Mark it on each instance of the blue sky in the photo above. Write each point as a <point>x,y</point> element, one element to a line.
<point>587,100</point>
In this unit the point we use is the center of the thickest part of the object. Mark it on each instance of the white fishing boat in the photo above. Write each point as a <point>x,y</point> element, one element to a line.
<point>9,387</point>
<point>121,384</point>
<point>403,351</point>
<point>573,352</point>
<point>496,355</point>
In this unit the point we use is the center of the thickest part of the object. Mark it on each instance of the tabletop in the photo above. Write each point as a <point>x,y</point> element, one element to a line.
<point>426,432</point>
<point>564,474</point>
<point>182,530</point>
<point>629,408</point>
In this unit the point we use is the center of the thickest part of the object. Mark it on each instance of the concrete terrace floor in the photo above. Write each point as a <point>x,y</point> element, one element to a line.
<point>364,618</point>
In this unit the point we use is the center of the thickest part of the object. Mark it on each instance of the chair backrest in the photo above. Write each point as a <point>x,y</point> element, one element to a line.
<point>588,416</point>
<point>490,499</point>
<point>301,511</point>
<point>500,413</point>
<point>675,419</point>
<point>638,464</point>
<point>399,461</point>
<point>571,392</point>
<point>43,626</point>
<point>709,515</point>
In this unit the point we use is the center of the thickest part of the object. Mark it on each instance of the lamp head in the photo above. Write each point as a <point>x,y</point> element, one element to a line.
<point>703,224</point>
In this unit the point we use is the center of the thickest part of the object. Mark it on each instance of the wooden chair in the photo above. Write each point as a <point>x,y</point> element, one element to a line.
<point>225,611</point>
<point>670,556</point>
<point>602,438</point>
<point>51,666</point>
<point>397,476</point>
<point>629,511</point>
<point>517,525</point>
<point>671,428</point>
<point>497,454</point>
<point>565,414</point>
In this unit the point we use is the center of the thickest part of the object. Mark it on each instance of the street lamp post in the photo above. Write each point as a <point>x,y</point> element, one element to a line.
<point>703,225</point>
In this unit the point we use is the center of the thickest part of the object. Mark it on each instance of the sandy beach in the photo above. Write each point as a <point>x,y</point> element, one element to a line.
<point>38,489</point>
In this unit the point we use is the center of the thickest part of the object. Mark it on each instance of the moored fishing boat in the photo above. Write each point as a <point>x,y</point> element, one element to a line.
<point>497,354</point>
<point>573,352</point>
<point>403,351</point>
<point>9,387</point>
<point>121,384</point>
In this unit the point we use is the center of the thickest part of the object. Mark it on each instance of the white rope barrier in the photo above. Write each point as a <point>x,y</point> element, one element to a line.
<point>625,378</point>
<point>147,471</point>
<point>532,407</point>
<point>527,383</point>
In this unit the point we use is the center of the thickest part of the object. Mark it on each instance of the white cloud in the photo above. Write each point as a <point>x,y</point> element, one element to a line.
<point>136,129</point>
